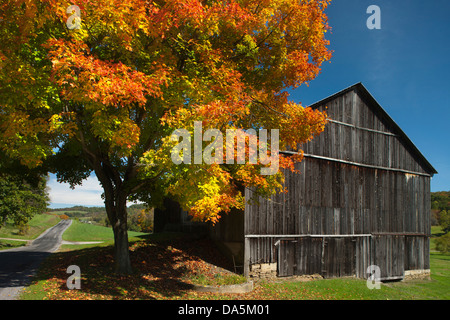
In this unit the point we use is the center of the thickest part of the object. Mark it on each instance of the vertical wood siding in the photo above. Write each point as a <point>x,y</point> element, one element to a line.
<point>365,214</point>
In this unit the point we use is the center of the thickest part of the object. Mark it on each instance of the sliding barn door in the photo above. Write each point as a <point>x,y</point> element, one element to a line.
<point>339,257</point>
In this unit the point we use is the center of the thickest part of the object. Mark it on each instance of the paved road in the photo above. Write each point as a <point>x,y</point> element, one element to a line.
<point>17,266</point>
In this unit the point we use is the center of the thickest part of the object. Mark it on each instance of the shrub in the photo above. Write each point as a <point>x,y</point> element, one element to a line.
<point>443,243</point>
<point>444,220</point>
<point>23,227</point>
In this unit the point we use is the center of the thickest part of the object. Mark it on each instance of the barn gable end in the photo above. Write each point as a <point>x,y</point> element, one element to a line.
<point>361,131</point>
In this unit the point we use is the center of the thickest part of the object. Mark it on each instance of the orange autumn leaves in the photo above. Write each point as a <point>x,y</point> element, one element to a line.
<point>84,78</point>
<point>137,70</point>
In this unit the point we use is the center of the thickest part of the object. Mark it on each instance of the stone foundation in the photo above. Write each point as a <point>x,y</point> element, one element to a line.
<point>269,271</point>
<point>417,274</point>
<point>263,270</point>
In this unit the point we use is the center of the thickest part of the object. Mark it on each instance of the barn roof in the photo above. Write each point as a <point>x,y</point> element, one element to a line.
<point>370,100</point>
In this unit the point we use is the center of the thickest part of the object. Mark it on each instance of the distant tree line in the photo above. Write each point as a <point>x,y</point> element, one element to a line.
<point>140,218</point>
<point>440,212</point>
<point>440,208</point>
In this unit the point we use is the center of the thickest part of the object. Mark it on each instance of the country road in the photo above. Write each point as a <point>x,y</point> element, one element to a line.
<point>18,265</point>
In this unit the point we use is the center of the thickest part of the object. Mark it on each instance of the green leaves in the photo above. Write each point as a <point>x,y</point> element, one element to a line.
<point>20,200</point>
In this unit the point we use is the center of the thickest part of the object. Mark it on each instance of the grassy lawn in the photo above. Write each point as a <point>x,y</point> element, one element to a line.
<point>79,231</point>
<point>161,261</point>
<point>9,244</point>
<point>38,224</point>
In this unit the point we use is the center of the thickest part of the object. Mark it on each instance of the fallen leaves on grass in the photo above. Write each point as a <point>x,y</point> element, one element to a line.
<point>161,271</point>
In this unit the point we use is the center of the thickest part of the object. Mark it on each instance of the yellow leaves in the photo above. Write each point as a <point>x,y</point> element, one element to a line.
<point>306,122</point>
<point>248,47</point>
<point>55,122</point>
<point>30,138</point>
<point>61,124</point>
<point>20,138</point>
<point>117,129</point>
<point>205,191</point>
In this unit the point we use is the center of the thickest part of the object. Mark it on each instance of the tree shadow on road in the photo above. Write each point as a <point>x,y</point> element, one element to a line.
<point>18,267</point>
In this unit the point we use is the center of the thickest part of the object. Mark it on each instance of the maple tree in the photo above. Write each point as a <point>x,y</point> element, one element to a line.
<point>106,97</point>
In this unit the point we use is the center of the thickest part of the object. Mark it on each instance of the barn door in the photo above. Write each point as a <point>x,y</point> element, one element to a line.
<point>286,258</point>
<point>390,256</point>
<point>339,257</point>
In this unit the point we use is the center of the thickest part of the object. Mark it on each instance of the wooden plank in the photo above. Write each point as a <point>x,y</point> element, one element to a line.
<point>306,155</point>
<point>339,257</point>
<point>256,236</point>
<point>286,258</point>
<point>246,257</point>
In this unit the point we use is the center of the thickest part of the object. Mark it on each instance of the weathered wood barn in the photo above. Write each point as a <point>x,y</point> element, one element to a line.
<point>362,198</point>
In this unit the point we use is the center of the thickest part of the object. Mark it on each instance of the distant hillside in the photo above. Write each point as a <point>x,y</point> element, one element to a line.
<point>440,201</point>
<point>97,215</point>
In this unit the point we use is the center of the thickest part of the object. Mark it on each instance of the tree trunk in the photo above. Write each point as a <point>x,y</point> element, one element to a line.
<point>122,264</point>
<point>116,209</point>
<point>115,196</point>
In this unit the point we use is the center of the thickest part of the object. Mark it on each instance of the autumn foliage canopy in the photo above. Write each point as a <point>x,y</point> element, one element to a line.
<point>105,97</point>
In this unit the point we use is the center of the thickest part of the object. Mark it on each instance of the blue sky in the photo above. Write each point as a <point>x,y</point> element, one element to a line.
<point>405,65</point>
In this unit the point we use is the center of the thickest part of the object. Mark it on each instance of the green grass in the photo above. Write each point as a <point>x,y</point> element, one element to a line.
<point>80,232</point>
<point>38,224</point>
<point>436,231</point>
<point>329,289</point>
<point>38,292</point>
<point>218,279</point>
<point>9,244</point>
